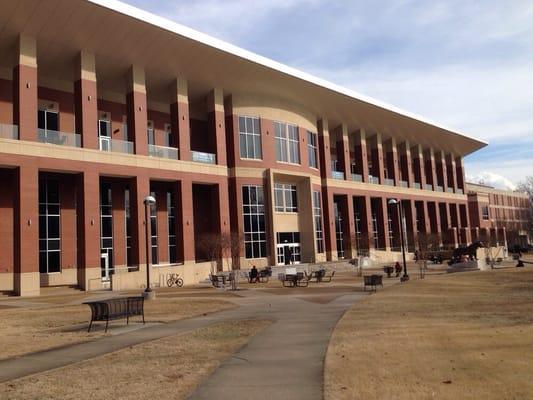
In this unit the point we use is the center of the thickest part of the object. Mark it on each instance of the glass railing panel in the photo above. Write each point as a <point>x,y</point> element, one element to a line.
<point>163,152</point>
<point>373,179</point>
<point>357,177</point>
<point>460,191</point>
<point>206,158</point>
<point>389,182</point>
<point>337,175</point>
<point>116,145</point>
<point>8,131</point>
<point>439,188</point>
<point>427,186</point>
<point>59,138</point>
<point>403,184</point>
<point>449,190</point>
<point>416,185</point>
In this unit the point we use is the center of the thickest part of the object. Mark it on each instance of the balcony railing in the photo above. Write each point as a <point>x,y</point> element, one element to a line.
<point>427,186</point>
<point>357,177</point>
<point>439,188</point>
<point>9,131</point>
<point>163,152</point>
<point>206,158</point>
<point>403,184</point>
<point>449,190</point>
<point>337,175</point>
<point>460,191</point>
<point>373,179</point>
<point>389,182</point>
<point>417,185</point>
<point>115,145</point>
<point>59,138</point>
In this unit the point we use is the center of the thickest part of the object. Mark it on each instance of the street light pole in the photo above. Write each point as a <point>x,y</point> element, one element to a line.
<point>405,277</point>
<point>148,201</point>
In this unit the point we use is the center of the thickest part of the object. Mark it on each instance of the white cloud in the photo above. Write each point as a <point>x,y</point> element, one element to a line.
<point>492,179</point>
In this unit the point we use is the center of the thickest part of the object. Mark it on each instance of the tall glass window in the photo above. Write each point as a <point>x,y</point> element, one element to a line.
<point>338,231</point>
<point>285,198</point>
<point>127,209</point>
<point>375,231</point>
<point>253,204</point>
<point>153,230</point>
<point>171,217</point>
<point>358,231</point>
<point>317,214</point>
<point>250,137</point>
<point>49,226</point>
<point>106,226</point>
<point>391,234</point>
<point>287,143</point>
<point>312,149</point>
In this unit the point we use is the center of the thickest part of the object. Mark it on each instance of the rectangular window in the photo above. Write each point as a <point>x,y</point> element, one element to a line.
<point>153,230</point>
<point>250,138</point>
<point>127,209</point>
<point>106,227</point>
<point>49,227</point>
<point>171,215</point>
<point>485,213</point>
<point>312,149</point>
<point>287,143</point>
<point>285,198</point>
<point>253,204</point>
<point>338,231</point>
<point>317,214</point>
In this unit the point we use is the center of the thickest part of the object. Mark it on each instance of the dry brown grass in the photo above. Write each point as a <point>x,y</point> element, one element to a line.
<point>28,330</point>
<point>460,336</point>
<point>169,368</point>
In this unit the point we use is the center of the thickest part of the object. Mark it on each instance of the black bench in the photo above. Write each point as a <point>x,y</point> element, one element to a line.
<point>373,281</point>
<point>117,308</point>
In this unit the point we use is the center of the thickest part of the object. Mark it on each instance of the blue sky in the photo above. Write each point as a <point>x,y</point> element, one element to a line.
<point>465,64</point>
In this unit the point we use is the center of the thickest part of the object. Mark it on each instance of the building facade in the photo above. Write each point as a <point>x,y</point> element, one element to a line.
<point>499,216</point>
<point>102,104</point>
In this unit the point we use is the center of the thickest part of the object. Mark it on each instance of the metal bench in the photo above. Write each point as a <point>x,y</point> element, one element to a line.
<point>117,308</point>
<point>291,280</point>
<point>373,281</point>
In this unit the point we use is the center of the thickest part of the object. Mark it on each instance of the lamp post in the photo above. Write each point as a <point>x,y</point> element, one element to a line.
<point>148,201</point>
<point>397,203</point>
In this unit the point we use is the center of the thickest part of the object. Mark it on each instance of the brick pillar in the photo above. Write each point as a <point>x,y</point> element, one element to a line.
<point>185,217</point>
<point>86,100</point>
<point>418,164</point>
<point>162,225</point>
<point>223,207</point>
<point>502,236</point>
<point>25,88</point>
<point>410,222</point>
<point>431,161</point>
<point>452,170</point>
<point>324,149</point>
<point>475,234</point>
<point>459,174</point>
<point>395,162</point>
<point>379,158</point>
<point>137,110</point>
<point>179,118</point>
<point>27,281</point>
<point>427,221</point>
<point>406,150</point>
<point>88,187</point>
<point>141,189</point>
<point>329,224</point>
<point>348,226</point>
<point>216,124</point>
<point>453,237</point>
<point>68,222</point>
<point>444,170</point>
<point>344,150</point>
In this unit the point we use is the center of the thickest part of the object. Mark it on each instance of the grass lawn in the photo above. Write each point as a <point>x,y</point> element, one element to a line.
<point>458,336</point>
<point>28,330</point>
<point>169,368</point>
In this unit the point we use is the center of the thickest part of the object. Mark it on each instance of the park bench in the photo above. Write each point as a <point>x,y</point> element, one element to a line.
<point>218,280</point>
<point>373,281</point>
<point>262,276</point>
<point>319,276</point>
<point>117,308</point>
<point>292,280</point>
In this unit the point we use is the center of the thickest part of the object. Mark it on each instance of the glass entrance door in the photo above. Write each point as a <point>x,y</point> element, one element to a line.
<point>104,265</point>
<point>288,248</point>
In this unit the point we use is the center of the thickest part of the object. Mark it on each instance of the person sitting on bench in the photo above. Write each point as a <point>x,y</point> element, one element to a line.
<point>254,275</point>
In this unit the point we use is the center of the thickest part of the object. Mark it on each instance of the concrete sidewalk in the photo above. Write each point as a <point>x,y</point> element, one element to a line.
<point>285,361</point>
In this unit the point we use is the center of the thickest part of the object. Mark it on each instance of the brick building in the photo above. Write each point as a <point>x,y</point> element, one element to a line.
<point>499,215</point>
<point>102,104</point>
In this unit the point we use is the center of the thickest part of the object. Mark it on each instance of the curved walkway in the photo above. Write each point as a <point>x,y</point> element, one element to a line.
<point>285,361</point>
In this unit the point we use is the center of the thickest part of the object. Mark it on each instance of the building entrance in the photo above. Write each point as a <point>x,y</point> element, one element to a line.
<point>288,248</point>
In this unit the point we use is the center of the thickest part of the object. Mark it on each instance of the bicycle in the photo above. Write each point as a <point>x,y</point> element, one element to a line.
<point>174,279</point>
